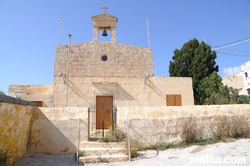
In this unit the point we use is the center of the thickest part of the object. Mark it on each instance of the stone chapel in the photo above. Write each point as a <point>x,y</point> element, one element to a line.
<point>96,74</point>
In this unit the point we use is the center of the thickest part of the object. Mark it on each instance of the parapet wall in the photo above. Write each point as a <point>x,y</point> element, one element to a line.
<point>164,124</point>
<point>9,99</point>
<point>14,129</point>
<point>33,93</point>
<point>85,60</point>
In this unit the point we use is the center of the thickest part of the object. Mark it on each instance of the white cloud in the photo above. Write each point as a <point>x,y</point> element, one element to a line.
<point>230,71</point>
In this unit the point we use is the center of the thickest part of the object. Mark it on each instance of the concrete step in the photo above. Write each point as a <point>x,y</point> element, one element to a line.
<point>104,158</point>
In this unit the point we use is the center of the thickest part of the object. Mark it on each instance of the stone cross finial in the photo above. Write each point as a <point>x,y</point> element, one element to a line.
<point>104,7</point>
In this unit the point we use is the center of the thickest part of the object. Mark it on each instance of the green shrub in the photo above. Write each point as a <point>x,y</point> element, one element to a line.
<point>80,154</point>
<point>113,135</point>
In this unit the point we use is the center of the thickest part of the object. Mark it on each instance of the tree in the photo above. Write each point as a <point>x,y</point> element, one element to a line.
<point>1,93</point>
<point>195,60</point>
<point>208,88</point>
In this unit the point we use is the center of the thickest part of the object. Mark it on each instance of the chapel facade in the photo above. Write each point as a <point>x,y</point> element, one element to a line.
<point>106,74</point>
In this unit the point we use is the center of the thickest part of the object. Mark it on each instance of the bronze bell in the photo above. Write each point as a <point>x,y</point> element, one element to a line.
<point>104,33</point>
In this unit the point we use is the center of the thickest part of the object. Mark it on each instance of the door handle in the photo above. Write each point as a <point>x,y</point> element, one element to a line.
<point>108,111</point>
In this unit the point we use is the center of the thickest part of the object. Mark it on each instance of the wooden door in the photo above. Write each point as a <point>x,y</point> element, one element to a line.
<point>38,103</point>
<point>173,100</point>
<point>104,111</point>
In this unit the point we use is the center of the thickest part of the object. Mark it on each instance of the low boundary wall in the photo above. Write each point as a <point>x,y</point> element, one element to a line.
<point>55,130</point>
<point>28,129</point>
<point>164,124</point>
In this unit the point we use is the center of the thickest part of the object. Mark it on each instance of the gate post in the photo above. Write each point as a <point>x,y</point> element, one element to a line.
<point>113,117</point>
<point>102,120</point>
<point>88,124</point>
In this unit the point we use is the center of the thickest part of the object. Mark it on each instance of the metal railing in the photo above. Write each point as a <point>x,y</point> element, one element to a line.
<point>128,127</point>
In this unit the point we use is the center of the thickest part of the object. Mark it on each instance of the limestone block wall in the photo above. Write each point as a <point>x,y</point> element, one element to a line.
<point>55,130</point>
<point>14,129</point>
<point>85,60</point>
<point>164,124</point>
<point>132,91</point>
<point>33,93</point>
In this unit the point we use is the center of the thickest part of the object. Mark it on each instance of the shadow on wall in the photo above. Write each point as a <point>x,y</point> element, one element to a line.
<point>155,89</point>
<point>78,92</point>
<point>52,133</point>
<point>123,94</point>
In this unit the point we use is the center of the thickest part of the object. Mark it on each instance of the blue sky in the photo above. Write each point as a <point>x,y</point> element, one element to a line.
<point>29,32</point>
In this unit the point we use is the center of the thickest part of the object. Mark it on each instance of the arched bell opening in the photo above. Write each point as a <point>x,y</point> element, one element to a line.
<point>104,28</point>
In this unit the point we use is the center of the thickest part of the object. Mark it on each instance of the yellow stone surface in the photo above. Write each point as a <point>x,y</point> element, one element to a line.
<point>14,129</point>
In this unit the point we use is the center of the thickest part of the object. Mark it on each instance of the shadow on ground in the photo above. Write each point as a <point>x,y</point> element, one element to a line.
<point>46,159</point>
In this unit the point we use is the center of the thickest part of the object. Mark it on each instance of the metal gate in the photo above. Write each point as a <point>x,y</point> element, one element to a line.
<point>93,132</point>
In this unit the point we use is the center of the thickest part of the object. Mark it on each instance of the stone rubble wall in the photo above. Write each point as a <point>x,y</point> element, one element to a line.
<point>55,130</point>
<point>14,129</point>
<point>27,129</point>
<point>164,124</point>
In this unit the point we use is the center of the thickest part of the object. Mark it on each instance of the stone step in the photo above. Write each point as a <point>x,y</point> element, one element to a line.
<point>103,151</point>
<point>104,158</point>
<point>94,144</point>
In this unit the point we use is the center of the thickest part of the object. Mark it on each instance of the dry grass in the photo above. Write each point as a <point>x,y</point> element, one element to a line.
<point>189,130</point>
<point>225,128</point>
<point>232,127</point>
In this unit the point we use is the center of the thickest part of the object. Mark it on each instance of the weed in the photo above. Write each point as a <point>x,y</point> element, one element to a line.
<point>100,159</point>
<point>80,154</point>
<point>164,146</point>
<point>239,127</point>
<point>206,141</point>
<point>189,130</point>
<point>135,146</point>
<point>113,135</point>
<point>232,127</point>
<point>222,127</point>
<point>4,157</point>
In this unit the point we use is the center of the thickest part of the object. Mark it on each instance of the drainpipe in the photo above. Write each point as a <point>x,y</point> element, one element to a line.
<point>67,88</point>
<point>128,133</point>
<point>77,153</point>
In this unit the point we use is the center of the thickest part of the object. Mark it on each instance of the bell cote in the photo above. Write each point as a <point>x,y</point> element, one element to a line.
<point>104,22</point>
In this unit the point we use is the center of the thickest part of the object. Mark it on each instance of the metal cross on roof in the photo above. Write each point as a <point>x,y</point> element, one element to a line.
<point>104,7</point>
